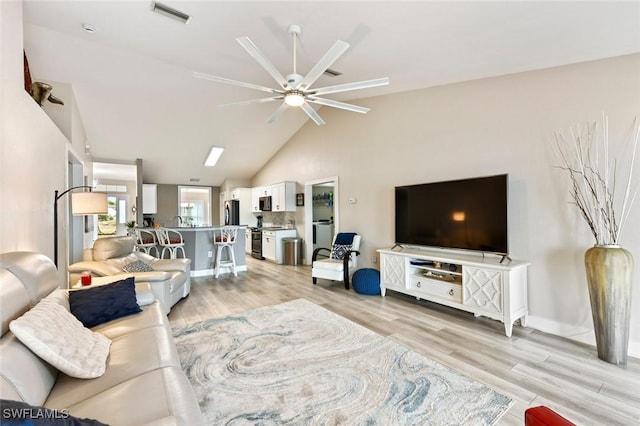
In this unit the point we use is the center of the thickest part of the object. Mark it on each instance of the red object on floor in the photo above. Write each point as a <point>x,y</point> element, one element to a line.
<point>544,416</point>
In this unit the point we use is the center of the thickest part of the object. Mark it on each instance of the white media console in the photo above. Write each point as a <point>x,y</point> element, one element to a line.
<point>473,283</point>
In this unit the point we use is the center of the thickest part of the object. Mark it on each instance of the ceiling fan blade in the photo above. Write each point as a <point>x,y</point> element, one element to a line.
<point>277,113</point>
<point>252,101</point>
<point>256,54</point>
<point>336,104</point>
<point>237,83</point>
<point>312,113</point>
<point>325,62</point>
<point>351,86</point>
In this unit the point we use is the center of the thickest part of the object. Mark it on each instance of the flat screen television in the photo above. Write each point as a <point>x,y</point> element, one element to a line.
<point>466,214</point>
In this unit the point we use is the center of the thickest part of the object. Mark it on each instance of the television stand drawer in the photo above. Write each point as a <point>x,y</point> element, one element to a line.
<point>431,287</point>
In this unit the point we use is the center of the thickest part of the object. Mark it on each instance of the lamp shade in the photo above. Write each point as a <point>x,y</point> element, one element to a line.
<point>83,203</point>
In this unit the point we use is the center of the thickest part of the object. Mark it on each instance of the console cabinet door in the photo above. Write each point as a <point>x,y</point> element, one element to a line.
<point>393,271</point>
<point>483,290</point>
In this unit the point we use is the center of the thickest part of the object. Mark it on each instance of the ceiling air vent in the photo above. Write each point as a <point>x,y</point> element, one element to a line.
<point>165,10</point>
<point>332,73</point>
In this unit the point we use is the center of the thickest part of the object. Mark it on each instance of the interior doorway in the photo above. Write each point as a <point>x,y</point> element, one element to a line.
<point>321,213</point>
<point>120,182</point>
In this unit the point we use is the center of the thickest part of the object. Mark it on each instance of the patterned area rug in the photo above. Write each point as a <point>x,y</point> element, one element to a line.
<point>297,363</point>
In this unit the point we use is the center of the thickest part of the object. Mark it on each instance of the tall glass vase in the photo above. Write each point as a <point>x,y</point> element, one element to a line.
<point>609,274</point>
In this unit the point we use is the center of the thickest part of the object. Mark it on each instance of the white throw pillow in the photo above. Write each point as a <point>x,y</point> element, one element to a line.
<point>56,336</point>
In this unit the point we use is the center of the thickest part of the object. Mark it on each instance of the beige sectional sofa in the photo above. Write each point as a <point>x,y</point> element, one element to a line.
<point>170,279</point>
<point>143,382</point>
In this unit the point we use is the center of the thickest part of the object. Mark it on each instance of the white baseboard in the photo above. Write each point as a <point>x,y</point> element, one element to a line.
<point>210,272</point>
<point>579,334</point>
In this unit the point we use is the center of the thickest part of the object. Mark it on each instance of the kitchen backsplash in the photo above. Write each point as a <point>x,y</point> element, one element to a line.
<point>279,219</point>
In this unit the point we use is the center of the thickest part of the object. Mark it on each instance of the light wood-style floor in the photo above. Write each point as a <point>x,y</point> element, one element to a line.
<point>531,367</point>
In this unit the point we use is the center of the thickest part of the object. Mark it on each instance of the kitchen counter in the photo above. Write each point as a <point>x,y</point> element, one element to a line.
<point>199,247</point>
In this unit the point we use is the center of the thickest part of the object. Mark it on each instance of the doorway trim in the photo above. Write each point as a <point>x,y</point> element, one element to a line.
<point>75,176</point>
<point>308,212</point>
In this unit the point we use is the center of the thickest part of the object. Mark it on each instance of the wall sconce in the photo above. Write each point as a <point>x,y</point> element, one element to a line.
<point>82,203</point>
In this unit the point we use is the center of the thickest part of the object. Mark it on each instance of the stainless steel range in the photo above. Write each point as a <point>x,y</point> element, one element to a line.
<point>256,243</point>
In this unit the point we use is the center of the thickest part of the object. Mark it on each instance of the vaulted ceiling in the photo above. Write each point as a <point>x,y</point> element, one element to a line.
<point>133,76</point>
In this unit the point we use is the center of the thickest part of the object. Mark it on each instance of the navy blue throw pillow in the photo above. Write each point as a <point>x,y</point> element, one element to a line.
<point>344,238</point>
<point>96,305</point>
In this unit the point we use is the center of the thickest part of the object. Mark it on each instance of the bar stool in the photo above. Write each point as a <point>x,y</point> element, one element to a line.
<point>170,240</point>
<point>146,241</point>
<point>225,237</point>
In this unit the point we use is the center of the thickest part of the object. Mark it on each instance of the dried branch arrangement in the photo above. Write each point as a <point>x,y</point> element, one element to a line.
<point>585,156</point>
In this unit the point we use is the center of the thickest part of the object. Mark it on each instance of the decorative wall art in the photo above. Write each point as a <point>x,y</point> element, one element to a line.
<point>38,90</point>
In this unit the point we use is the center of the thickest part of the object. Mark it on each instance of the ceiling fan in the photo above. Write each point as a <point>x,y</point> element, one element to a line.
<point>295,90</point>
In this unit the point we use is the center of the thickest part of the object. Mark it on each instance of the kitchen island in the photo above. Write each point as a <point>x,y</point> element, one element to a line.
<point>199,247</point>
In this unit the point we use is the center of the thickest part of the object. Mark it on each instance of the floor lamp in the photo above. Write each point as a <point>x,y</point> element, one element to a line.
<point>82,203</point>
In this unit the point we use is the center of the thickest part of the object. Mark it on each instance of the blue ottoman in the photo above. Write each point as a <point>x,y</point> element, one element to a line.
<point>366,281</point>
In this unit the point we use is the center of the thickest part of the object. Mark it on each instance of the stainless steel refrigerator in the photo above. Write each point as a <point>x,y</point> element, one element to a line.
<point>232,212</point>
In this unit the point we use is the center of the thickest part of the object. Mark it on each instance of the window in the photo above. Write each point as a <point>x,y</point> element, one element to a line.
<point>194,205</point>
<point>107,222</point>
<point>122,211</point>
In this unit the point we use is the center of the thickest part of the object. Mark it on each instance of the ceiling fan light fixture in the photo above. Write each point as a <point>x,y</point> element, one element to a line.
<point>294,98</point>
<point>295,89</point>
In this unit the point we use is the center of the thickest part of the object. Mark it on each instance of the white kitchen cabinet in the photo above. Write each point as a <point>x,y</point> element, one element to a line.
<point>247,241</point>
<point>283,197</point>
<point>272,243</point>
<point>264,191</point>
<point>240,194</point>
<point>481,285</point>
<point>256,193</point>
<point>269,245</point>
<point>277,197</point>
<point>245,205</point>
<point>255,200</point>
<point>149,198</point>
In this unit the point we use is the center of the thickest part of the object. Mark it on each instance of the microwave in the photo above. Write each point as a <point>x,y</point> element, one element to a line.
<point>265,203</point>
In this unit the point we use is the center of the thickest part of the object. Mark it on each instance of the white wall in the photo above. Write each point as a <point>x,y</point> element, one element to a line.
<point>33,153</point>
<point>66,117</point>
<point>483,127</point>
